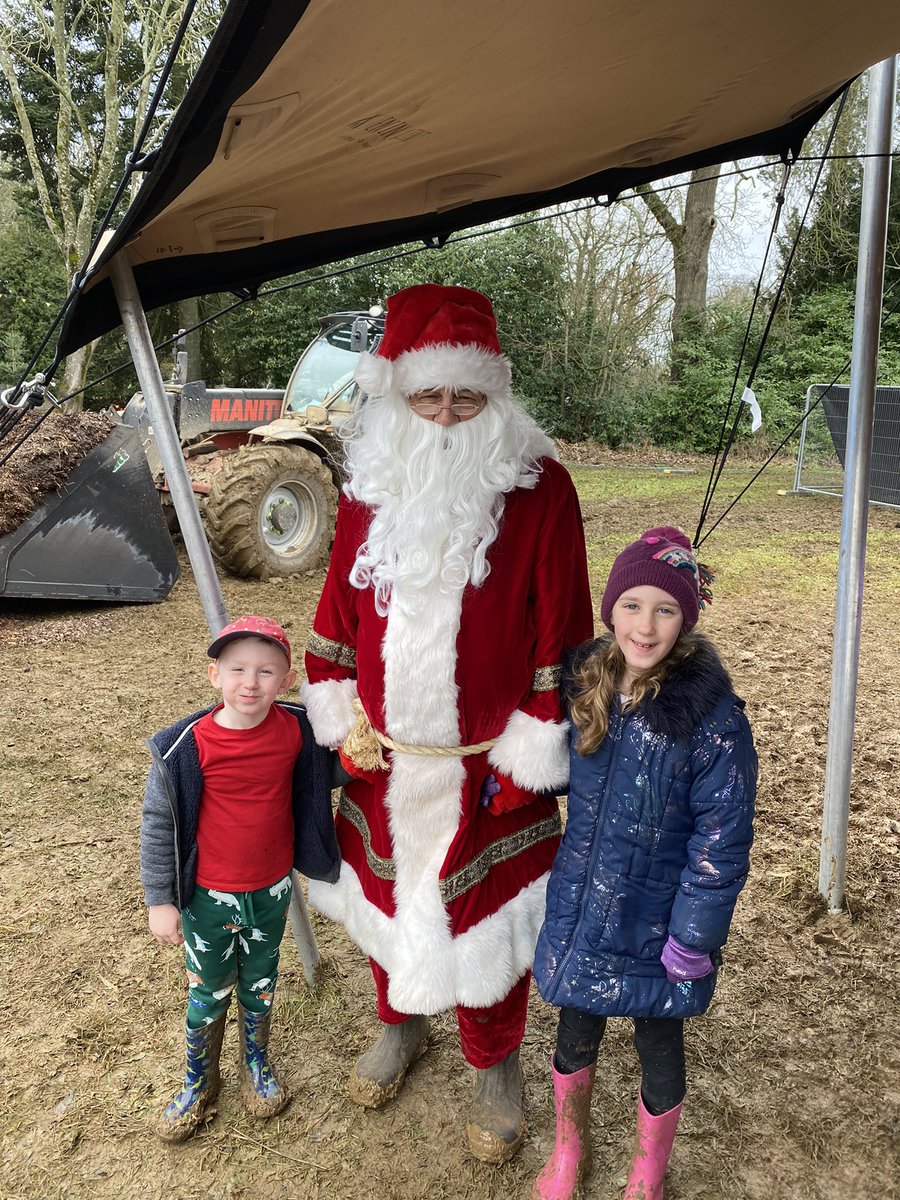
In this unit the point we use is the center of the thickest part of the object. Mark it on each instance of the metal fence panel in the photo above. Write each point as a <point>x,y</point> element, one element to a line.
<point>823,444</point>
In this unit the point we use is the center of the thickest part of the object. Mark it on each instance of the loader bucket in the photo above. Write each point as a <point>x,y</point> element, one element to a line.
<point>102,536</point>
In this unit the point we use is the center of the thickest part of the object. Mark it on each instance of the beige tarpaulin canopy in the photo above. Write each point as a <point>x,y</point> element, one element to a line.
<point>315,131</point>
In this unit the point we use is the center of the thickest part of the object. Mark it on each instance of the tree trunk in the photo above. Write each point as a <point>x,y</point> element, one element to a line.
<point>75,375</point>
<point>692,258</point>
<point>690,241</point>
<point>94,87</point>
<point>188,316</point>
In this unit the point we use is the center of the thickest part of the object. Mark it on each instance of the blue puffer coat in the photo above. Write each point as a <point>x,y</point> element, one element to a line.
<point>657,842</point>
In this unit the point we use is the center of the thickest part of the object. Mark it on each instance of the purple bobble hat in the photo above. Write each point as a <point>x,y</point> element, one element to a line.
<point>661,558</point>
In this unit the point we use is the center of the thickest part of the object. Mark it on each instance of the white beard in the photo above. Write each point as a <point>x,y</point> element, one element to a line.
<point>437,494</point>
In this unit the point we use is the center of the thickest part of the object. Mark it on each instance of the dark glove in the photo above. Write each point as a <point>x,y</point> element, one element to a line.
<point>681,963</point>
<point>500,795</point>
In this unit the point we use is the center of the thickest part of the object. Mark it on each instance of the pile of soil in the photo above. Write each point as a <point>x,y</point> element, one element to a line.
<point>52,449</point>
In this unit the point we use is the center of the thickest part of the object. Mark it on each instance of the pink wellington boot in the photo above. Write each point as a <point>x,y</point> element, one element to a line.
<point>567,1167</point>
<point>652,1147</point>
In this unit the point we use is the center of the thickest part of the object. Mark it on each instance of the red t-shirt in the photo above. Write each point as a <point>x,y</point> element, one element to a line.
<point>245,831</point>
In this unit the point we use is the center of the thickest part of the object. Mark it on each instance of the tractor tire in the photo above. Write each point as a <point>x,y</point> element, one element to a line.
<point>271,511</point>
<point>171,516</point>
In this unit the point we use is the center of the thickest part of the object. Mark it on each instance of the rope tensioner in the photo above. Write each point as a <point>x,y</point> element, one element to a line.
<point>28,395</point>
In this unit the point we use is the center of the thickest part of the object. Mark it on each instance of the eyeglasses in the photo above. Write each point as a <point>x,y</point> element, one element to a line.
<point>465,403</point>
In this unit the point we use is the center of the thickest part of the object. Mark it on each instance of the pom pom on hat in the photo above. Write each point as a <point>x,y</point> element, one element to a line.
<point>436,336</point>
<point>663,558</point>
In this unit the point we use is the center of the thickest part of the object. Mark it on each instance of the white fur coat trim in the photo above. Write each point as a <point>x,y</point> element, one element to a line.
<point>444,365</point>
<point>430,971</point>
<point>533,753</point>
<point>329,706</point>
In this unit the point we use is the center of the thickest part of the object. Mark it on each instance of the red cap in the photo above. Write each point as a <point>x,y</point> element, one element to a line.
<point>261,627</point>
<point>436,336</point>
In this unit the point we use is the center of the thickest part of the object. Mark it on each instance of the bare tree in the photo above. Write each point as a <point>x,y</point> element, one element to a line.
<point>830,241</point>
<point>616,297</point>
<point>74,161</point>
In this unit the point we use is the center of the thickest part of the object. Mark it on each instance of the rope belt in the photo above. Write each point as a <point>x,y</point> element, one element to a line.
<point>363,744</point>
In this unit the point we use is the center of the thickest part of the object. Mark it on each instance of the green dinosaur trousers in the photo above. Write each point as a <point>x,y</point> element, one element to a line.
<point>232,940</point>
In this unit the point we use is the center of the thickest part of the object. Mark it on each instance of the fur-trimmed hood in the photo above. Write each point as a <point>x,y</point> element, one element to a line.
<point>691,690</point>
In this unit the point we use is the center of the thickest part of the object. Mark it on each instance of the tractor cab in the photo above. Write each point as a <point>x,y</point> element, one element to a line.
<point>321,389</point>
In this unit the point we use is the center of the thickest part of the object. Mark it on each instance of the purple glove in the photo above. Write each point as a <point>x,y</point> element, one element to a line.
<point>489,790</point>
<point>681,963</point>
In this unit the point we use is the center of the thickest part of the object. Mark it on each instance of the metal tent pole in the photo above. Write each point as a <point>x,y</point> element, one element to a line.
<point>165,434</point>
<point>854,519</point>
<point>150,379</point>
<point>302,929</point>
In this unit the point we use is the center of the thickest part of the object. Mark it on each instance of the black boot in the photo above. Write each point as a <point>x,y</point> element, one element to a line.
<point>186,1112</point>
<point>496,1124</point>
<point>379,1074</point>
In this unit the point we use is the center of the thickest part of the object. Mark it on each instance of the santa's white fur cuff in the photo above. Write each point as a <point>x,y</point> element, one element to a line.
<point>329,705</point>
<point>533,753</point>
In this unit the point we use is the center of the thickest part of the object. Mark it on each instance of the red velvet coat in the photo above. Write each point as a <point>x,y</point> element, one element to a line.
<point>446,896</point>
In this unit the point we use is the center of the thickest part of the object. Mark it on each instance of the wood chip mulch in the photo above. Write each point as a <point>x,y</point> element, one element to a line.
<point>43,462</point>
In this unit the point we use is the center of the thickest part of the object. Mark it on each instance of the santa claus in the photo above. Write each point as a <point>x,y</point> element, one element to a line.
<point>458,578</point>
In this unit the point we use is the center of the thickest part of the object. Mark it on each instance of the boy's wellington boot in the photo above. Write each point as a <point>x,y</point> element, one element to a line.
<point>496,1124</point>
<point>652,1147</point>
<point>568,1166</point>
<point>379,1074</point>
<point>261,1091</point>
<point>187,1111</point>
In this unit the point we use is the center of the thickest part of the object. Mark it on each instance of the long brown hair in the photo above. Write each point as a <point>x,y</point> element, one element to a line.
<point>595,680</point>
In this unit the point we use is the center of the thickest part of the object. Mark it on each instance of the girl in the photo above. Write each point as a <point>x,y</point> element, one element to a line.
<point>655,851</point>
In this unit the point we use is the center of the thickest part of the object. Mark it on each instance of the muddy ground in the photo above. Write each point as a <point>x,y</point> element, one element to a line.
<point>794,1079</point>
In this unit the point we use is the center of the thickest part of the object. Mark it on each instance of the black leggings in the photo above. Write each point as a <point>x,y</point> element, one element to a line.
<point>659,1042</point>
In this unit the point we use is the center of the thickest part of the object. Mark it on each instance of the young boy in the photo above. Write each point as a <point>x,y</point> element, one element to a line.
<point>237,796</point>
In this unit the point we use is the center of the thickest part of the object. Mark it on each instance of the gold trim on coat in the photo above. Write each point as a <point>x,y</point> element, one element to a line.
<point>547,679</point>
<point>499,851</point>
<point>336,652</point>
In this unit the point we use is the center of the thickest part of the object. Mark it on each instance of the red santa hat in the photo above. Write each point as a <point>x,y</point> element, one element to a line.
<point>436,336</point>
